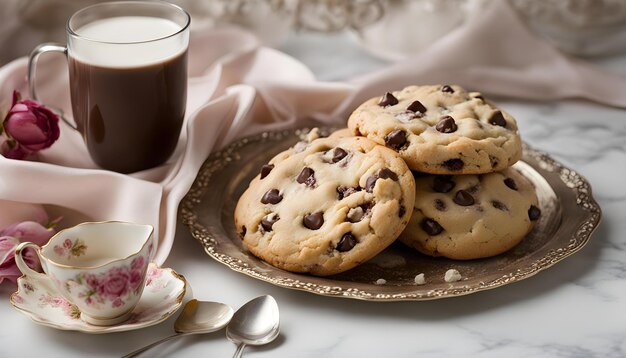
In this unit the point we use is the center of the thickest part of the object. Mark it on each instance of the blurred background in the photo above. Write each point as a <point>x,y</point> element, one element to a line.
<point>381,30</point>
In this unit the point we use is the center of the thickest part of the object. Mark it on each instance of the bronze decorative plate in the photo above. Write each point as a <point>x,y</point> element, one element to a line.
<point>569,216</point>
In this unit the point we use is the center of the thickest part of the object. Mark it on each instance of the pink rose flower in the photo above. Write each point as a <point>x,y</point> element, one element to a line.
<point>117,302</point>
<point>138,263</point>
<point>8,268</point>
<point>13,212</point>
<point>115,284</point>
<point>10,237</point>
<point>67,243</point>
<point>92,282</point>
<point>59,250</point>
<point>28,231</point>
<point>31,125</point>
<point>136,279</point>
<point>12,150</point>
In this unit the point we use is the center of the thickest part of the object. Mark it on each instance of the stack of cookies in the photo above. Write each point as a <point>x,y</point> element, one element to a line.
<point>427,165</point>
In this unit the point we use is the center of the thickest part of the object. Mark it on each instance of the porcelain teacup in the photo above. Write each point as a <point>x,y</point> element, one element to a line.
<point>100,267</point>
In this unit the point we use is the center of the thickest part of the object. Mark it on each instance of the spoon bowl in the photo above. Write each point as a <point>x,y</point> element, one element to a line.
<point>197,317</point>
<point>255,323</point>
<point>203,317</point>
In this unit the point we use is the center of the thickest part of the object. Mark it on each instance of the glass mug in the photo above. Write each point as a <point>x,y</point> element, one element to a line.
<point>128,80</point>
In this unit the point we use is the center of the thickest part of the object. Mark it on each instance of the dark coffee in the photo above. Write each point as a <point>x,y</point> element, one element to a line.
<point>130,118</point>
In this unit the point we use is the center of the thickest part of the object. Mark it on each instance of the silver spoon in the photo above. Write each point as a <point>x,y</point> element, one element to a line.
<point>197,317</point>
<point>255,323</point>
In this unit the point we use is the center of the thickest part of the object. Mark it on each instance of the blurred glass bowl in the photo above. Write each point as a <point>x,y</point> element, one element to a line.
<point>409,26</point>
<point>578,27</point>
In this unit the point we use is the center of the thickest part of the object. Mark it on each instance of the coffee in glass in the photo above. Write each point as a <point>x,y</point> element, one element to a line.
<point>128,80</point>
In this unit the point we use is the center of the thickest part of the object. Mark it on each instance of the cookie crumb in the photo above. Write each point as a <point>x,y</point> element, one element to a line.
<point>420,279</point>
<point>452,275</point>
<point>381,281</point>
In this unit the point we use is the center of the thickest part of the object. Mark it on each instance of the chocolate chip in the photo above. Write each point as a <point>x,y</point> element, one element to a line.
<point>386,173</point>
<point>266,169</point>
<point>313,221</point>
<point>417,174</point>
<point>402,211</point>
<point>416,106</point>
<point>387,100</point>
<point>446,88</point>
<point>497,119</point>
<point>344,192</point>
<point>346,243</point>
<point>534,213</point>
<point>307,177</point>
<point>268,221</point>
<point>370,183</point>
<point>463,198</point>
<point>396,139</point>
<point>431,227</point>
<point>510,183</point>
<point>454,164</point>
<point>440,205</point>
<point>271,197</point>
<point>443,184</point>
<point>480,97</point>
<point>499,205</point>
<point>243,231</point>
<point>338,154</point>
<point>446,125</point>
<point>473,189</point>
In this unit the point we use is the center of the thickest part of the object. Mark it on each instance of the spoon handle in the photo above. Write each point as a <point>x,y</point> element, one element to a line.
<point>141,350</point>
<point>239,350</point>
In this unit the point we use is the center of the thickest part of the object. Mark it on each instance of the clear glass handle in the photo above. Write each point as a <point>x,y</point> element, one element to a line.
<point>32,69</point>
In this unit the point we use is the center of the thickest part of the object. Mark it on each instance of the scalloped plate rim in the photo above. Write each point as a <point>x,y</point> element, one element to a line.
<point>593,217</point>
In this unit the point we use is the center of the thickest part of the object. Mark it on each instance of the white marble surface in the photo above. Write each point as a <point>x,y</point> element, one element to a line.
<point>574,309</point>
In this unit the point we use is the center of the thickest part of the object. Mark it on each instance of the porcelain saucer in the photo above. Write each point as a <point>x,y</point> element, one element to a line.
<point>40,300</point>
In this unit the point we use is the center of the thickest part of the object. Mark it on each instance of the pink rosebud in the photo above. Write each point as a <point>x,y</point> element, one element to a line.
<point>28,231</point>
<point>117,302</point>
<point>12,150</point>
<point>67,243</point>
<point>59,250</point>
<point>33,126</point>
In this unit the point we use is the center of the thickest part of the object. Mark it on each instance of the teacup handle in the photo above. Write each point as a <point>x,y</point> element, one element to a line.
<point>32,69</point>
<point>19,259</point>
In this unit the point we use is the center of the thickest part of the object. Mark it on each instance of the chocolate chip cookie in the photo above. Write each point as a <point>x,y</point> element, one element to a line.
<point>327,208</point>
<point>471,216</point>
<point>441,129</point>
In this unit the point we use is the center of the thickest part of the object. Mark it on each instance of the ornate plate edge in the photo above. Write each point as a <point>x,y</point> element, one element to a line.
<point>573,180</point>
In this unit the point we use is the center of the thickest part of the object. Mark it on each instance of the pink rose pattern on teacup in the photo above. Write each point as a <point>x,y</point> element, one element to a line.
<point>70,248</point>
<point>112,287</point>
